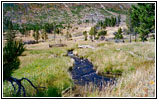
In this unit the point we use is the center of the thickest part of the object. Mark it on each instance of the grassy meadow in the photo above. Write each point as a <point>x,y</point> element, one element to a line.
<point>46,67</point>
<point>132,64</point>
<point>100,32</point>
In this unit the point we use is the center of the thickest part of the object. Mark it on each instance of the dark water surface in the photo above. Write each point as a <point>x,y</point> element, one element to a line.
<point>83,72</point>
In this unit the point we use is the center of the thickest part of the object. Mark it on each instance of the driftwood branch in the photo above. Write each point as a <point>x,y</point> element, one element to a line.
<point>20,86</point>
<point>13,85</point>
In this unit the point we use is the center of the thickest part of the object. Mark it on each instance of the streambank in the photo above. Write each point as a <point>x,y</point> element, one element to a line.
<point>83,72</point>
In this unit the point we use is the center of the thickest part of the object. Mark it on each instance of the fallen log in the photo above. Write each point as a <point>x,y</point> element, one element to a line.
<point>57,45</point>
<point>29,42</point>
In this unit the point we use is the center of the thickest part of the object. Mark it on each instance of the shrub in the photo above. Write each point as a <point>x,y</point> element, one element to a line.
<point>87,21</point>
<point>117,71</point>
<point>102,32</point>
<point>111,70</point>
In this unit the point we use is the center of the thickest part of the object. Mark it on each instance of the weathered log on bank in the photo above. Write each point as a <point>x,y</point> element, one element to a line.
<point>57,45</point>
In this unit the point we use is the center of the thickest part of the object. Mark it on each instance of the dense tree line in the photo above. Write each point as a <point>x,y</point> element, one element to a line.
<point>7,23</point>
<point>111,21</point>
<point>24,29</point>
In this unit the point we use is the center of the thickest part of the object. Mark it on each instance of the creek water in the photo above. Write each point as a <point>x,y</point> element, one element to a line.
<point>83,72</point>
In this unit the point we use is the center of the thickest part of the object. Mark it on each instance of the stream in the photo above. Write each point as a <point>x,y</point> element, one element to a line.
<point>83,73</point>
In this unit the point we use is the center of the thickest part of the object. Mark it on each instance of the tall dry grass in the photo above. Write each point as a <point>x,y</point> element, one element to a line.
<point>136,61</point>
<point>140,83</point>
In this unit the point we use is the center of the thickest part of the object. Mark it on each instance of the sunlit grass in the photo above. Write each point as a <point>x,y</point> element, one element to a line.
<point>133,62</point>
<point>111,56</point>
<point>139,83</point>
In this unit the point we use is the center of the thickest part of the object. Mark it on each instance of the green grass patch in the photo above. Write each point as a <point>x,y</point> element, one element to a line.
<point>49,72</point>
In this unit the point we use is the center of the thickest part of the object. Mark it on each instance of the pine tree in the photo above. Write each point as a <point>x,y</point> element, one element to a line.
<point>11,62</point>
<point>10,32</point>
<point>36,35</point>
<point>143,19</point>
<point>67,35</point>
<point>93,32</point>
<point>119,19</point>
<point>129,24</point>
<point>48,27</point>
<point>112,21</point>
<point>23,30</point>
<point>44,35</point>
<point>11,51</point>
<point>115,21</point>
<point>119,35</point>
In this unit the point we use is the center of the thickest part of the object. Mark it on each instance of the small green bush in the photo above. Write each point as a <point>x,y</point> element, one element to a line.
<point>119,35</point>
<point>102,32</point>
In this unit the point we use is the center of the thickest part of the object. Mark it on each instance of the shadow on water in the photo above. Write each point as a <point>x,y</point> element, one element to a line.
<point>83,73</point>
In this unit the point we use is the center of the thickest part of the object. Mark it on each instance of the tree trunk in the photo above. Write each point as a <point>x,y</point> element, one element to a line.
<point>94,37</point>
<point>135,37</point>
<point>130,38</point>
<point>143,38</point>
<point>54,36</point>
<point>91,37</point>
